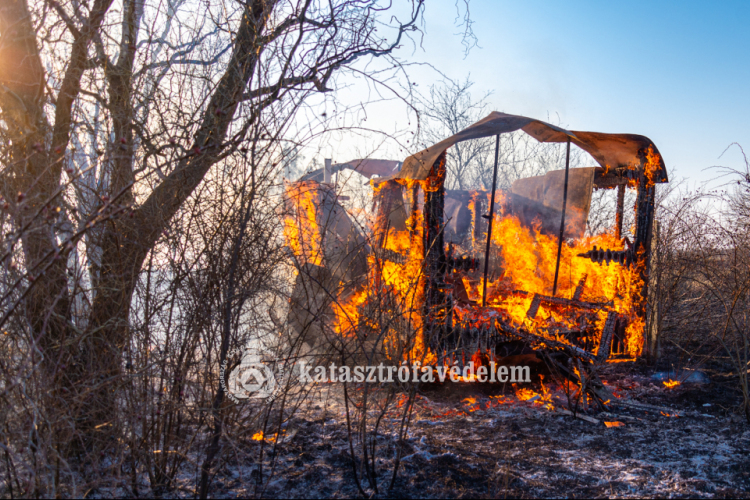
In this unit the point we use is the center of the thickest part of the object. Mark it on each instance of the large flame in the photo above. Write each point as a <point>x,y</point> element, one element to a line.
<point>302,229</point>
<point>403,279</point>
<point>525,261</point>
<point>529,259</point>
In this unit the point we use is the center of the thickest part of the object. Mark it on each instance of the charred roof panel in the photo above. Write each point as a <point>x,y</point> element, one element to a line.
<point>609,150</point>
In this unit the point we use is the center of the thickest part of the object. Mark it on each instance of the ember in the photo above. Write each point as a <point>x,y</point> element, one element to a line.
<point>525,394</point>
<point>544,399</point>
<point>614,424</point>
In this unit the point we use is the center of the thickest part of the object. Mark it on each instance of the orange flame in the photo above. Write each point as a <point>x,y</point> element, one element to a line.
<point>527,260</point>
<point>653,163</point>
<point>614,424</point>
<point>404,280</point>
<point>530,258</point>
<point>301,224</point>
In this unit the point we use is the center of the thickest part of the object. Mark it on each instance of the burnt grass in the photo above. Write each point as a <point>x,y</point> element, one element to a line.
<point>504,448</point>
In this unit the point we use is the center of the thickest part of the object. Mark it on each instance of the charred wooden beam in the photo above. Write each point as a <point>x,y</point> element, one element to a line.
<point>605,342</point>
<point>619,346</point>
<point>580,304</point>
<point>438,306</point>
<point>644,221</point>
<point>562,302</point>
<point>537,340</point>
<point>392,256</point>
<point>534,307</point>
<point>652,310</point>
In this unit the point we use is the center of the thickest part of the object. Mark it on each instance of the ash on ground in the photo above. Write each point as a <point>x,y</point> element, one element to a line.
<point>467,440</point>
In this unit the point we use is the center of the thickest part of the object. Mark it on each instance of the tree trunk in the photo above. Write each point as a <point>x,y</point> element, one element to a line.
<point>127,242</point>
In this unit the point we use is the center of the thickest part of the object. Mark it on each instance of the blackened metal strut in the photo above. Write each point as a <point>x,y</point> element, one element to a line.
<point>562,221</point>
<point>489,228</point>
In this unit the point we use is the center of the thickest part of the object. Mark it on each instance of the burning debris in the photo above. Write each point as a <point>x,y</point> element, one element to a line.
<point>489,273</point>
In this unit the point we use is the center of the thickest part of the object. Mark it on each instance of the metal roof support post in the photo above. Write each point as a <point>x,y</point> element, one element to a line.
<point>620,210</point>
<point>489,221</point>
<point>562,220</point>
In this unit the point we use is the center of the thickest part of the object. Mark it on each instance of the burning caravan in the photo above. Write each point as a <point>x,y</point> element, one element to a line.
<point>484,272</point>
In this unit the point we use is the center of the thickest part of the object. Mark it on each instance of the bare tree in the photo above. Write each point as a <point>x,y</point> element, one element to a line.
<point>112,116</point>
<point>450,108</point>
<point>447,110</point>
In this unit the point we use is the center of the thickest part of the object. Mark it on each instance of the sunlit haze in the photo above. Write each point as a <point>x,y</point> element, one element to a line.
<point>672,71</point>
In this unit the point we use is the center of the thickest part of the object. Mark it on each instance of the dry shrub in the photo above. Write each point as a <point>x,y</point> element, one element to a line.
<point>703,276</point>
<point>141,144</point>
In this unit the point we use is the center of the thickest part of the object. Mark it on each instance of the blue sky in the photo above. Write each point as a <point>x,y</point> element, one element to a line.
<point>677,72</point>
